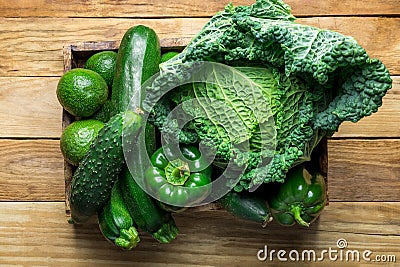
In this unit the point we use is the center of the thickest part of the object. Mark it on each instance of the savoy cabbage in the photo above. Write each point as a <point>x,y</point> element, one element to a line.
<point>312,80</point>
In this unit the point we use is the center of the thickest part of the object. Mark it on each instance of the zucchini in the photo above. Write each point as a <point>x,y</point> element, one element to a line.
<point>145,211</point>
<point>138,59</point>
<point>150,139</point>
<point>97,172</point>
<point>246,206</point>
<point>167,232</point>
<point>116,223</point>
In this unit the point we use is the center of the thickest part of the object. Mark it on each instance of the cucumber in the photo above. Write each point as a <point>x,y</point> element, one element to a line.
<point>97,172</point>
<point>246,206</point>
<point>145,211</point>
<point>138,59</point>
<point>116,223</point>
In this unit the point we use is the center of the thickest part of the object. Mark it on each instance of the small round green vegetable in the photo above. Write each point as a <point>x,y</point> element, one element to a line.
<point>76,139</point>
<point>104,64</point>
<point>82,92</point>
<point>168,55</point>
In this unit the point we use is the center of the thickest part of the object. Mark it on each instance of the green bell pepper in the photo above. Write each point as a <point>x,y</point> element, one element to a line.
<point>179,181</point>
<point>301,198</point>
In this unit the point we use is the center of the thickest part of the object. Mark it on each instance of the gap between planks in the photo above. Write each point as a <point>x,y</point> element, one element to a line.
<point>358,170</point>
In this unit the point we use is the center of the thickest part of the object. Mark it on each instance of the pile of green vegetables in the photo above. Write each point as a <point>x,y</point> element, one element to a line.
<point>312,80</point>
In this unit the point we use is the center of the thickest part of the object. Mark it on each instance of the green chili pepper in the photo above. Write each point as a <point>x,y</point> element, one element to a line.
<point>179,181</point>
<point>301,198</point>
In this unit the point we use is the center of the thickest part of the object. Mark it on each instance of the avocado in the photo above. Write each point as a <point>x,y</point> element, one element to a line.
<point>104,64</point>
<point>77,138</point>
<point>168,55</point>
<point>82,92</point>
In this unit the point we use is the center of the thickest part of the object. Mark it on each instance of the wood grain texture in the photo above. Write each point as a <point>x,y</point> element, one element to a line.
<point>33,34</point>
<point>29,107</point>
<point>33,46</point>
<point>363,170</point>
<point>37,234</point>
<point>31,170</point>
<point>183,8</point>
<point>358,170</point>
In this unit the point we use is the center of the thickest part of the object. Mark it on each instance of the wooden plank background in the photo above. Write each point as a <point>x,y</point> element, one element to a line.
<point>43,37</point>
<point>184,8</point>
<point>364,158</point>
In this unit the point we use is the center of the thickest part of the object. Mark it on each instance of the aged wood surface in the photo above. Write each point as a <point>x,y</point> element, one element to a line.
<point>31,170</point>
<point>184,8</point>
<point>364,158</point>
<point>29,108</point>
<point>358,170</point>
<point>33,46</point>
<point>35,233</point>
<point>363,170</point>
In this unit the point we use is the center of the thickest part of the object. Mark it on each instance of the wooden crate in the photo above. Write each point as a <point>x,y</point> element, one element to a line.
<point>75,56</point>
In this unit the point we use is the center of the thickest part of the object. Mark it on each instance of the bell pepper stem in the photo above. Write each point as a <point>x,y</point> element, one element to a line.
<point>296,211</point>
<point>177,172</point>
